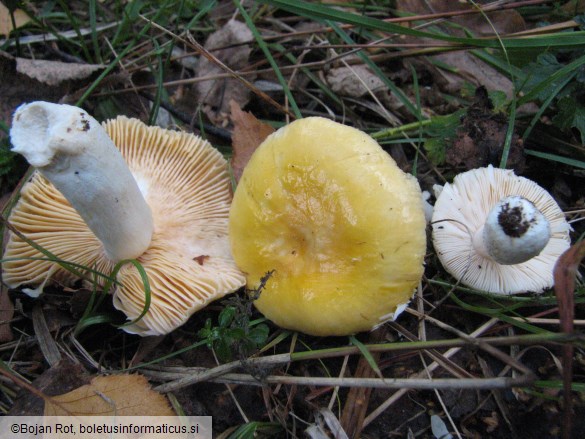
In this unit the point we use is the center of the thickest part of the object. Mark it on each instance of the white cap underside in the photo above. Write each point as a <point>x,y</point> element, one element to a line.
<point>462,209</point>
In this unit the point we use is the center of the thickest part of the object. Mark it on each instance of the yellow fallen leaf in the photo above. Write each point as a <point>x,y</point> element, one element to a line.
<point>20,19</point>
<point>120,395</point>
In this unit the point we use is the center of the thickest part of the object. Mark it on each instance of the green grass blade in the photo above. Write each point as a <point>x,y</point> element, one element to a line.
<point>116,60</point>
<point>171,355</point>
<point>145,284</point>
<point>556,158</point>
<point>92,10</point>
<point>95,319</point>
<point>203,9</point>
<point>69,266</point>
<point>264,47</point>
<point>377,71</point>
<point>73,22</point>
<point>323,12</point>
<point>499,314</point>
<point>546,104</point>
<point>420,118</point>
<point>366,354</point>
<point>312,76</point>
<point>50,256</point>
<point>159,85</point>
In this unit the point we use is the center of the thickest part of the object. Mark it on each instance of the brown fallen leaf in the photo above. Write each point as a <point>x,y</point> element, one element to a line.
<point>483,24</point>
<point>354,81</point>
<point>25,80</point>
<point>248,133</point>
<point>6,26</point>
<point>54,72</point>
<point>120,395</point>
<point>565,272</point>
<point>467,67</point>
<point>228,46</point>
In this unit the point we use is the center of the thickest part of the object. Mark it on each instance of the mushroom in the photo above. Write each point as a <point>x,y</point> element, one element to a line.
<point>499,233</point>
<point>336,224</point>
<point>101,195</point>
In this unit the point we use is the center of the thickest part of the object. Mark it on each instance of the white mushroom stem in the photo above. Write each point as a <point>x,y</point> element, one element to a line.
<point>514,232</point>
<point>74,152</point>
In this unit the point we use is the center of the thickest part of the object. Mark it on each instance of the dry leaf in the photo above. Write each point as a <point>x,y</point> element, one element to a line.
<point>25,80</point>
<point>468,68</point>
<point>248,133</point>
<point>227,46</point>
<point>565,272</point>
<point>20,19</point>
<point>507,21</point>
<point>120,395</point>
<point>54,72</point>
<point>354,81</point>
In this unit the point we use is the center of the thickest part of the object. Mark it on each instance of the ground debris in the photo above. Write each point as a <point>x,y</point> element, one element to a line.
<point>481,137</point>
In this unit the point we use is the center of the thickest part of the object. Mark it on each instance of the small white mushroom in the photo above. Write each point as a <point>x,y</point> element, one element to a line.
<point>497,232</point>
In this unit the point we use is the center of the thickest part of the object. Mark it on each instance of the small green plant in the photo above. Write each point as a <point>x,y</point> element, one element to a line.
<point>557,80</point>
<point>234,332</point>
<point>440,134</point>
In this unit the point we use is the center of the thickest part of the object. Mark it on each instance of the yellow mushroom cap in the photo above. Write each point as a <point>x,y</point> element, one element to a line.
<point>185,182</point>
<point>325,208</point>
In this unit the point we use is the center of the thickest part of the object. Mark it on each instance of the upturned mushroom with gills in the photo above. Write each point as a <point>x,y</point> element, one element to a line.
<point>124,190</point>
<point>498,232</point>
<point>328,229</point>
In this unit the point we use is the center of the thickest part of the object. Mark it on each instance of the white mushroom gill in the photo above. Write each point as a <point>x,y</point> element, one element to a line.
<point>73,151</point>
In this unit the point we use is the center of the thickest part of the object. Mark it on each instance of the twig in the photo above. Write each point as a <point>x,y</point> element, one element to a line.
<point>395,397</point>
<point>376,383</point>
<point>526,339</point>
<point>505,358</point>
<point>189,376</point>
<point>435,355</point>
<point>223,369</point>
